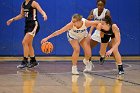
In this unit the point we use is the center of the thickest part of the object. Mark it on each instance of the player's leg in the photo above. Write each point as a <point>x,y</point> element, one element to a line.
<point>93,44</point>
<point>103,47</point>
<point>86,48</point>
<point>87,51</point>
<point>76,50</point>
<point>31,49</point>
<point>102,52</point>
<point>35,29</point>
<point>25,43</point>
<point>33,61</point>
<point>118,58</point>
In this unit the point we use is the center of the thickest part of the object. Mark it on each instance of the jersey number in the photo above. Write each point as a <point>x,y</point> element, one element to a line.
<point>26,14</point>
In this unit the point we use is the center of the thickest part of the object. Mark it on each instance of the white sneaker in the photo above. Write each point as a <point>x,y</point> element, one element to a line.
<point>74,70</point>
<point>88,66</point>
<point>85,61</point>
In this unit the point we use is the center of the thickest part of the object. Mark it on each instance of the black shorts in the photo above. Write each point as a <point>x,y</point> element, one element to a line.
<point>106,38</point>
<point>31,26</point>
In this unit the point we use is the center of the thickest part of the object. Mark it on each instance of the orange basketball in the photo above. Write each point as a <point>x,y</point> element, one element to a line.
<point>47,47</point>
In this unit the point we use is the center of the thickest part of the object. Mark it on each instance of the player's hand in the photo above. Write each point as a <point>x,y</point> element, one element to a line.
<point>108,53</point>
<point>99,26</point>
<point>9,21</point>
<point>44,40</point>
<point>45,17</point>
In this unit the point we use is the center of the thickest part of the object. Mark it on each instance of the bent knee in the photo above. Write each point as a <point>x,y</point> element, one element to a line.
<point>77,50</point>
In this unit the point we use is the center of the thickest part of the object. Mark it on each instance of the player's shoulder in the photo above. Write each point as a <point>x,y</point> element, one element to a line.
<point>34,2</point>
<point>95,9</point>
<point>83,19</point>
<point>114,25</point>
<point>107,10</point>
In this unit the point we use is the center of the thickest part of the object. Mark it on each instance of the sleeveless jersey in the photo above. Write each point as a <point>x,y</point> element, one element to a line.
<point>80,30</point>
<point>29,11</point>
<point>96,34</point>
<point>78,33</point>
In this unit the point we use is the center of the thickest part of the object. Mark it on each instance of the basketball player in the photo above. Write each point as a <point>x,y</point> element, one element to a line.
<point>77,33</point>
<point>110,30</point>
<point>98,14</point>
<point>29,11</point>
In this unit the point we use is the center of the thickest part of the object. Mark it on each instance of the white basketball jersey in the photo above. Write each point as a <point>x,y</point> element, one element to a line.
<point>83,27</point>
<point>96,34</point>
<point>80,30</point>
<point>102,16</point>
<point>78,33</point>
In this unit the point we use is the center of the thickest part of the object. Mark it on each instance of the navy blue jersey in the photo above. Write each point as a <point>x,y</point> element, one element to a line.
<point>29,11</point>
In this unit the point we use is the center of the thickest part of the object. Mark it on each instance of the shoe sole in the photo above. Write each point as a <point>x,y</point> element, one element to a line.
<point>121,74</point>
<point>22,67</point>
<point>34,66</point>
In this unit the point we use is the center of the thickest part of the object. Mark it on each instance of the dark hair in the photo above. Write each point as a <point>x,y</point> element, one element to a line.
<point>108,19</point>
<point>77,16</point>
<point>104,1</point>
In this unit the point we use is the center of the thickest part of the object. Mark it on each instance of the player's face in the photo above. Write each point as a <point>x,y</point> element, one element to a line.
<point>76,22</point>
<point>105,26</point>
<point>100,6</point>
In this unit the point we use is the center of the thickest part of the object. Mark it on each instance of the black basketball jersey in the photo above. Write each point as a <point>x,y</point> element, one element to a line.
<point>109,32</point>
<point>29,11</point>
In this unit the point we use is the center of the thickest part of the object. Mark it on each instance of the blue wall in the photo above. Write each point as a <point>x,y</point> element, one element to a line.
<point>125,13</point>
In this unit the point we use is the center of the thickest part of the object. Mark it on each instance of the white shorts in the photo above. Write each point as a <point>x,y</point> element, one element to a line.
<point>96,36</point>
<point>78,36</point>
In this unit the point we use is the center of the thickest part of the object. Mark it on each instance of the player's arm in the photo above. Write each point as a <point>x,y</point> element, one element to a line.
<point>116,32</point>
<point>91,24</point>
<point>20,16</point>
<point>58,32</point>
<point>108,13</point>
<point>38,7</point>
<point>91,16</point>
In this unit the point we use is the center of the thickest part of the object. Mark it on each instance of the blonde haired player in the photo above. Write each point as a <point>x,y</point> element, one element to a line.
<point>76,34</point>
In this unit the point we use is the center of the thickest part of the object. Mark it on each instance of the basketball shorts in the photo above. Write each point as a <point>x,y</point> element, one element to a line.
<point>32,27</point>
<point>96,36</point>
<point>77,36</point>
<point>107,38</point>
